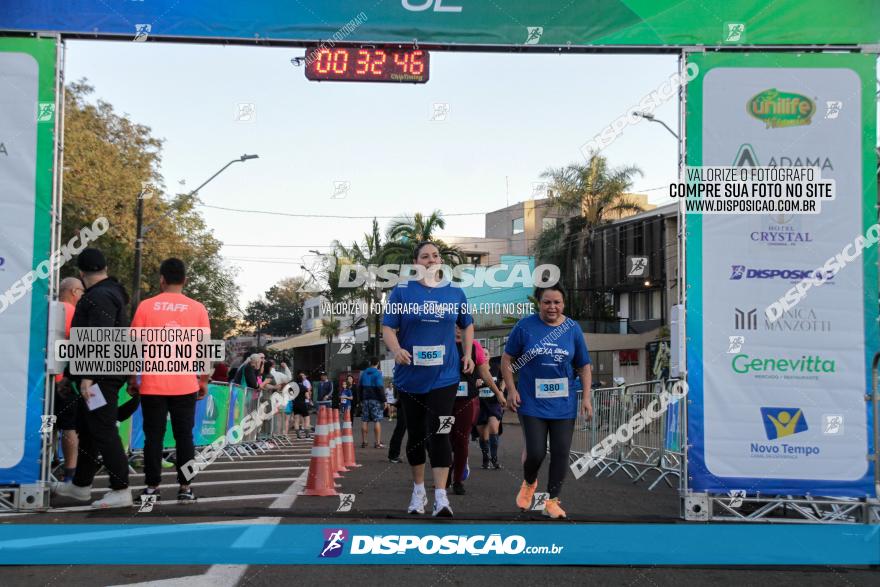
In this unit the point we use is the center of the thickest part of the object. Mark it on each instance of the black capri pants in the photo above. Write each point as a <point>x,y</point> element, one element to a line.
<point>536,431</point>
<point>423,412</point>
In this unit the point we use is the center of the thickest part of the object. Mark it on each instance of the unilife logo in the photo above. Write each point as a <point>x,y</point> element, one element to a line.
<point>334,541</point>
<point>780,109</point>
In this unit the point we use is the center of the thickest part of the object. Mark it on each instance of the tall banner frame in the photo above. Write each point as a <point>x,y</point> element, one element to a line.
<point>779,407</point>
<point>28,134</point>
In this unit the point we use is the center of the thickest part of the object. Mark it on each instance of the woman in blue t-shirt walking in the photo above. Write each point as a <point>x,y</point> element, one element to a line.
<point>545,349</point>
<point>419,328</point>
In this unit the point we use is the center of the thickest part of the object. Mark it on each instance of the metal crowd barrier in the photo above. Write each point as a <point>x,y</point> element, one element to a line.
<point>225,407</point>
<point>657,448</point>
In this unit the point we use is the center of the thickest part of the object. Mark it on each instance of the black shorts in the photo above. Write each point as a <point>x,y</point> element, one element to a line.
<point>300,410</point>
<point>65,411</point>
<point>488,410</point>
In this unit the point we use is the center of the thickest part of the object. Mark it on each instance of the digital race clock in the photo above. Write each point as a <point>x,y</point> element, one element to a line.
<point>352,64</point>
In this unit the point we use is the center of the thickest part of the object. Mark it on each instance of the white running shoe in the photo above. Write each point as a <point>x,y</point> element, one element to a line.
<point>119,498</point>
<point>72,491</point>
<point>442,509</point>
<point>417,503</point>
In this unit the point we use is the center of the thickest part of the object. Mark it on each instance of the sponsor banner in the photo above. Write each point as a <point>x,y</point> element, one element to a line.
<point>441,544</point>
<point>470,22</point>
<point>27,126</point>
<point>210,420</point>
<point>777,398</point>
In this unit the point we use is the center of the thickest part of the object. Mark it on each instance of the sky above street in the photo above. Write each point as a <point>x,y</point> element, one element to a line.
<point>508,117</point>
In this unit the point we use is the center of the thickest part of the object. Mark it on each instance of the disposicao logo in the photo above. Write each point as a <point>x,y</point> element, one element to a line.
<point>334,541</point>
<point>782,422</point>
<point>780,109</point>
<point>738,272</point>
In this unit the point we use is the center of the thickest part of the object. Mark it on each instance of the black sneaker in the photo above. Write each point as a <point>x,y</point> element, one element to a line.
<point>186,496</point>
<point>496,464</point>
<point>458,488</point>
<point>299,434</point>
<point>150,491</point>
<point>394,460</point>
<point>485,460</point>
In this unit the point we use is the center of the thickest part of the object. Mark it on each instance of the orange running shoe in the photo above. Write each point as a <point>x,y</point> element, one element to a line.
<point>553,509</point>
<point>525,495</point>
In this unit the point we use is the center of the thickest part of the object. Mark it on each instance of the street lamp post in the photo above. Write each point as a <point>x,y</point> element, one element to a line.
<point>651,118</point>
<point>143,230</point>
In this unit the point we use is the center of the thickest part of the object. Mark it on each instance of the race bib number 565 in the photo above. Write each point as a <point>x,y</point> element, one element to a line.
<point>428,355</point>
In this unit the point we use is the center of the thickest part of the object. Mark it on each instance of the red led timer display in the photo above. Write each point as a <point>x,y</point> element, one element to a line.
<point>351,64</point>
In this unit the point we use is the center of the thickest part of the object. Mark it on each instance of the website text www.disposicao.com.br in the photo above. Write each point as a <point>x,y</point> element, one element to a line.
<point>453,544</point>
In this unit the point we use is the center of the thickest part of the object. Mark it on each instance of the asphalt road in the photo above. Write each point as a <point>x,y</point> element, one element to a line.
<point>258,489</point>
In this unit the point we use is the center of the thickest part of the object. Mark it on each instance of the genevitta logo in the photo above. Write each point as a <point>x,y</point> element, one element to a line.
<point>803,367</point>
<point>739,272</point>
<point>334,541</point>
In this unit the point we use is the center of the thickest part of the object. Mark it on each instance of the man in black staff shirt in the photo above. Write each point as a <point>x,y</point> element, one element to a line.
<point>102,305</point>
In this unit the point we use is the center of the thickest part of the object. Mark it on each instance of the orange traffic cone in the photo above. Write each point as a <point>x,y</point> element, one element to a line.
<point>348,441</point>
<point>334,453</point>
<point>320,478</point>
<point>340,453</point>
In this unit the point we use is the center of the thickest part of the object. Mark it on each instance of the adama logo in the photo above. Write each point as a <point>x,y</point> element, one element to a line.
<point>780,109</point>
<point>334,541</point>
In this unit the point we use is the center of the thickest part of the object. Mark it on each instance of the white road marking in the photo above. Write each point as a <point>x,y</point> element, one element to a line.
<point>214,471</point>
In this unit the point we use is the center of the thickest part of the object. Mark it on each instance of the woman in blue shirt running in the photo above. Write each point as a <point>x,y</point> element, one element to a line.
<point>545,349</point>
<point>419,328</point>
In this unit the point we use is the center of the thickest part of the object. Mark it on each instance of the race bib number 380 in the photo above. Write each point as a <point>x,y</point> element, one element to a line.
<point>551,388</point>
<point>427,356</point>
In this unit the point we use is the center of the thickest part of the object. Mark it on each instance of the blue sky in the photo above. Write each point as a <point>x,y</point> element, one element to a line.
<point>510,117</point>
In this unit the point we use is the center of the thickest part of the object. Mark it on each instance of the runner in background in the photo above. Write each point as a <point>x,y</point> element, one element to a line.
<point>550,347</point>
<point>174,395</point>
<point>70,290</point>
<point>492,404</point>
<point>419,329</point>
<point>399,431</point>
<point>306,417</point>
<point>390,401</point>
<point>300,410</point>
<point>465,410</point>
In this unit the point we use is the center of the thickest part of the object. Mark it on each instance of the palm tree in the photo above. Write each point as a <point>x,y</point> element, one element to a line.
<point>596,194</point>
<point>329,329</point>
<point>369,252</point>
<point>405,232</point>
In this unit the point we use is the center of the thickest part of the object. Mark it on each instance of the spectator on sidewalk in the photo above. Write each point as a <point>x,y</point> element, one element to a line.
<point>325,390</point>
<point>372,402</point>
<point>70,290</point>
<point>103,304</point>
<point>174,395</point>
<point>221,372</point>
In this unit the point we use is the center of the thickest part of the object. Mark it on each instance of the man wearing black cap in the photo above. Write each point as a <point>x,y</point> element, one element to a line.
<point>102,305</point>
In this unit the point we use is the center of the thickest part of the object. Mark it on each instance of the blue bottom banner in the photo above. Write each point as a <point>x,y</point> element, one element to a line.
<point>432,544</point>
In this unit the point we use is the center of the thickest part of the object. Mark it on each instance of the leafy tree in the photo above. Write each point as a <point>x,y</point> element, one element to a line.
<point>107,160</point>
<point>595,194</point>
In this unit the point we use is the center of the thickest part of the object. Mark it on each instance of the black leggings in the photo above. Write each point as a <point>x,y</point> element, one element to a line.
<point>535,431</point>
<point>423,412</point>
